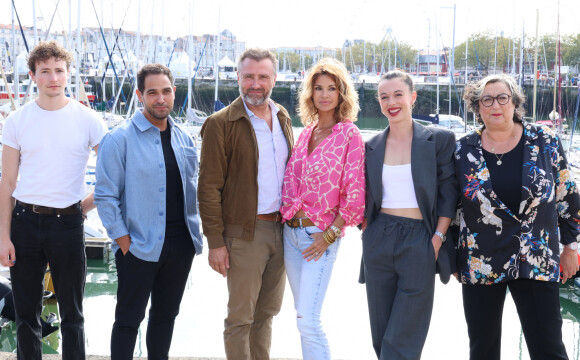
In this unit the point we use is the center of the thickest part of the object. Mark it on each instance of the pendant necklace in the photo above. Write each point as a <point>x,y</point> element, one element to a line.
<point>499,158</point>
<point>499,162</point>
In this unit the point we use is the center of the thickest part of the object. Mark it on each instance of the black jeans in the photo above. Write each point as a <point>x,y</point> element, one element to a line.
<point>538,306</point>
<point>165,282</point>
<point>59,241</point>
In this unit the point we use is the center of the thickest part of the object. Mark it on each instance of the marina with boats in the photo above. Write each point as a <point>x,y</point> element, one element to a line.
<point>205,74</point>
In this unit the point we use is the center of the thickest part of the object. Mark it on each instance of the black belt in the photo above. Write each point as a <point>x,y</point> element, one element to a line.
<point>45,210</point>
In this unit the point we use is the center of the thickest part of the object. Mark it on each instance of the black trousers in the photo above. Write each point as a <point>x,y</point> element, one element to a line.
<point>58,240</point>
<point>538,306</point>
<point>165,282</point>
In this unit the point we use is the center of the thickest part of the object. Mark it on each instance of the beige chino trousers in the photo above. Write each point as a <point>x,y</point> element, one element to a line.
<point>256,280</point>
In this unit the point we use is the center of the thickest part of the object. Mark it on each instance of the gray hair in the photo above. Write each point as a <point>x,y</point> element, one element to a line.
<point>474,90</point>
<point>258,55</point>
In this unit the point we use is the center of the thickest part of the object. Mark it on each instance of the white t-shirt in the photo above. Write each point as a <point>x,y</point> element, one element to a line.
<point>54,149</point>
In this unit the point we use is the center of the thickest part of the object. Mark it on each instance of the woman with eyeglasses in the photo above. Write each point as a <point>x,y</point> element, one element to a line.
<point>518,202</point>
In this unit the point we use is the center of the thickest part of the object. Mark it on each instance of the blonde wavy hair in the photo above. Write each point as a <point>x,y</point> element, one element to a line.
<point>348,106</point>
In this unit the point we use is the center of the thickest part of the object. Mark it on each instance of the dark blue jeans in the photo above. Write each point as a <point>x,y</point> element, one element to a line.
<point>165,282</point>
<point>59,241</point>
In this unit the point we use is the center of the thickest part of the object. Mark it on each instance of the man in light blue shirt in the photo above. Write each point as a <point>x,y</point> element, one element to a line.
<point>146,197</point>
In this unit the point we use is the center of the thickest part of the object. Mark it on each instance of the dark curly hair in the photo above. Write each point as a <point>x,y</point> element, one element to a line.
<point>46,50</point>
<point>474,90</point>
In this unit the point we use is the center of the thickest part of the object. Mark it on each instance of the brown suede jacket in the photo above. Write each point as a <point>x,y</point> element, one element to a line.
<point>228,176</point>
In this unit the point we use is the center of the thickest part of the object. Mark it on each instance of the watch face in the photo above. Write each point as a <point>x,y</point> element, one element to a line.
<point>573,246</point>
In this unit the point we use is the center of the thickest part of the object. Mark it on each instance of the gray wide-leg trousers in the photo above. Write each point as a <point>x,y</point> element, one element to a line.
<point>399,264</point>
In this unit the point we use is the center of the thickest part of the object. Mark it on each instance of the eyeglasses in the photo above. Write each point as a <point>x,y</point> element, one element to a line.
<point>502,99</point>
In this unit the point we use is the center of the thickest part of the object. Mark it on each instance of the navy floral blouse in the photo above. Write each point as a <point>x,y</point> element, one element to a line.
<point>496,245</point>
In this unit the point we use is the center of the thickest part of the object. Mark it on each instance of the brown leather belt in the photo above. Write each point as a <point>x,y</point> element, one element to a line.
<point>45,210</point>
<point>275,217</point>
<point>299,222</point>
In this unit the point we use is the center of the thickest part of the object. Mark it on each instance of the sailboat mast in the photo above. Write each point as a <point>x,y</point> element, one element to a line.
<point>522,56</point>
<point>452,63</point>
<point>111,58</point>
<point>15,70</point>
<point>34,23</point>
<point>465,101</point>
<point>556,72</point>
<point>138,51</point>
<point>437,54</point>
<point>217,56</point>
<point>514,45</point>
<point>495,53</point>
<point>364,55</point>
<point>163,42</point>
<point>189,54</point>
<point>77,56</point>
<point>559,71</point>
<point>536,66</point>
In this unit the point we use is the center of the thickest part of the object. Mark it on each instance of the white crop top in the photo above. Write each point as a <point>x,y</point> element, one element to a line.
<point>398,189</point>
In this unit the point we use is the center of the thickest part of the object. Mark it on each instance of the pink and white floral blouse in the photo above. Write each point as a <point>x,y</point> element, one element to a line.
<point>329,181</point>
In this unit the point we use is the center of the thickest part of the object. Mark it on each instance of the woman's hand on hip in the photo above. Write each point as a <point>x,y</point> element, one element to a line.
<point>437,243</point>
<point>569,263</point>
<point>316,249</point>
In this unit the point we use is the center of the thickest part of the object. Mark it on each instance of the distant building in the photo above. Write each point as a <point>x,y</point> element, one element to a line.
<point>94,53</point>
<point>427,63</point>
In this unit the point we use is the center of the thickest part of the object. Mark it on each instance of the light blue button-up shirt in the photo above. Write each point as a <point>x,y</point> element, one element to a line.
<point>272,158</point>
<point>131,185</point>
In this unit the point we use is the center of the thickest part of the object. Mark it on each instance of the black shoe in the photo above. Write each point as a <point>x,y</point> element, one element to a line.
<point>47,329</point>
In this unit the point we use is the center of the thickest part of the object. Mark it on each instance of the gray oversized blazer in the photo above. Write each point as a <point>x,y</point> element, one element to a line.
<point>433,171</point>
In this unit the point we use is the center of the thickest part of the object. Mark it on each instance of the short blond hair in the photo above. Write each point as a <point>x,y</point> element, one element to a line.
<point>348,106</point>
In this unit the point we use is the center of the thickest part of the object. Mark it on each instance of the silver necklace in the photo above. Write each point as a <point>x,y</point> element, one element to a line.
<point>499,162</point>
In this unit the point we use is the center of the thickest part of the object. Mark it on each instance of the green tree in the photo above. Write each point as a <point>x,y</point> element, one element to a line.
<point>571,50</point>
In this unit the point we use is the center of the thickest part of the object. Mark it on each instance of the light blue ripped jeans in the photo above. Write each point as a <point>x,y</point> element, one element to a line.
<point>308,281</point>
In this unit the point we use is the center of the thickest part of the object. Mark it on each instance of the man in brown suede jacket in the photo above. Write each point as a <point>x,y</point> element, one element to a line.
<point>244,153</point>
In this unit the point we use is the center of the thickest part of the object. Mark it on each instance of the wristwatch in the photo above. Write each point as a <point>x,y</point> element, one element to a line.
<point>441,235</point>
<point>335,230</point>
<point>572,246</point>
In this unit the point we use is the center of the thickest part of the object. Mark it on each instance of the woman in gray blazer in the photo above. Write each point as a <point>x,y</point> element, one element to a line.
<point>411,199</point>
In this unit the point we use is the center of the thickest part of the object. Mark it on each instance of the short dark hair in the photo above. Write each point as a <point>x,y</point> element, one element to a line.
<point>45,50</point>
<point>152,69</point>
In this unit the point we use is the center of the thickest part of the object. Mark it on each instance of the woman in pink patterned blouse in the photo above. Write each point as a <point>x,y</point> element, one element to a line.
<point>324,191</point>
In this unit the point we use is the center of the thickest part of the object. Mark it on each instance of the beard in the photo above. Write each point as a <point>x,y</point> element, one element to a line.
<point>255,101</point>
<point>157,114</point>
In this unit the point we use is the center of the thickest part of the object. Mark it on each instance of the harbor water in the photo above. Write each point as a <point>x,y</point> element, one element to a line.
<point>284,94</point>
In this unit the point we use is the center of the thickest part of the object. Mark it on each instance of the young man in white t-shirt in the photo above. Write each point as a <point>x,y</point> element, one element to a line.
<point>46,146</point>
